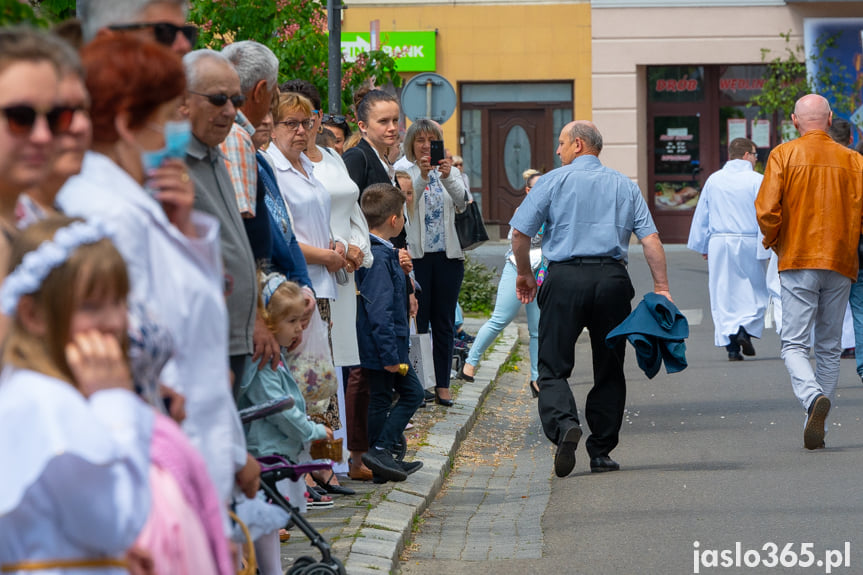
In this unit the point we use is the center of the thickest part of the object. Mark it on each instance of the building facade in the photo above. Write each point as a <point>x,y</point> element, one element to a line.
<point>672,83</point>
<point>521,70</point>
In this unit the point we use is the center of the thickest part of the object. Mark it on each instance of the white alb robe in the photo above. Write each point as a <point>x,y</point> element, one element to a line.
<point>726,229</point>
<point>74,472</point>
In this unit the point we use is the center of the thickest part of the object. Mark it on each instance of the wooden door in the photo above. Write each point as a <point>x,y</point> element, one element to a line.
<point>518,139</point>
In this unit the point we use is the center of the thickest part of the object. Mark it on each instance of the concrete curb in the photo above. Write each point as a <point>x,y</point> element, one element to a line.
<point>388,526</point>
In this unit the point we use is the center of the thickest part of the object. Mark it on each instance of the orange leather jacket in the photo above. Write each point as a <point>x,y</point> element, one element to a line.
<point>810,204</point>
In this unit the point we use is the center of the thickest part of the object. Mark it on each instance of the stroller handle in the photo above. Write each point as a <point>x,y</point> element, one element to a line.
<point>266,409</point>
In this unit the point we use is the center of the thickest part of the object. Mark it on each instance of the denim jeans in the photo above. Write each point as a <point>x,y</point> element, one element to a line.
<point>856,301</point>
<point>505,309</point>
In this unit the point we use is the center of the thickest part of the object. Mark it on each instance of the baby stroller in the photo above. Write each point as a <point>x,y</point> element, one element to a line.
<point>274,468</point>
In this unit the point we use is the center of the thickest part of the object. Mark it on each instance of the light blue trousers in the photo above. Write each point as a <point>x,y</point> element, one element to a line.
<point>505,309</point>
<point>813,298</point>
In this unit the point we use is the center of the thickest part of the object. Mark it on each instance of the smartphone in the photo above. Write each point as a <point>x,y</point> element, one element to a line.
<point>437,152</point>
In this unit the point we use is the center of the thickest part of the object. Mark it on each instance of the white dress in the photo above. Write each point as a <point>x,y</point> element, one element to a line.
<point>74,472</point>
<point>726,229</point>
<point>182,281</point>
<point>347,223</point>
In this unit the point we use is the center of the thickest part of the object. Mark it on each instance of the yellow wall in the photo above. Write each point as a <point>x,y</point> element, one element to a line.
<point>496,43</point>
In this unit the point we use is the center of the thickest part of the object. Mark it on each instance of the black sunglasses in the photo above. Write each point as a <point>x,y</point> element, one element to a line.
<point>219,100</point>
<point>163,32</point>
<point>333,119</point>
<point>22,118</point>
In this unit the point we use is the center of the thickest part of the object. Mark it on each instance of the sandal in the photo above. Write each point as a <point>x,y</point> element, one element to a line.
<point>334,488</point>
<point>315,499</point>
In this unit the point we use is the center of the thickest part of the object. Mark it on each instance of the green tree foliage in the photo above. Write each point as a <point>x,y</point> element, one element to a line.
<point>787,79</point>
<point>40,13</point>
<point>296,32</point>
<point>478,288</point>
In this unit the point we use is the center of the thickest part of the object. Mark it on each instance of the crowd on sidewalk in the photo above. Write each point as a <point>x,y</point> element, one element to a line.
<point>184,237</point>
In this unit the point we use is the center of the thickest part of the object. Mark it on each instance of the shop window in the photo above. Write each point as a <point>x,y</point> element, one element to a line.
<point>471,147</point>
<point>676,145</point>
<point>560,118</point>
<point>514,93</point>
<point>675,83</point>
<point>516,155</point>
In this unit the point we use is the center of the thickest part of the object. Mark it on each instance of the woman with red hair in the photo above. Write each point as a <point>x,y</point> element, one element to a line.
<point>134,179</point>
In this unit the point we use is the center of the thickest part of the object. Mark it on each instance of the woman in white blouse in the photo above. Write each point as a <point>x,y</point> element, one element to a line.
<point>348,223</point>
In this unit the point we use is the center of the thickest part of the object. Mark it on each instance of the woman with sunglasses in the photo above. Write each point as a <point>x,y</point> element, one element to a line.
<point>31,116</point>
<point>338,126</point>
<point>38,202</point>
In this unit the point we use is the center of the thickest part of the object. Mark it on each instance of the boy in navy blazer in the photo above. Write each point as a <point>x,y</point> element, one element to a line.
<point>383,335</point>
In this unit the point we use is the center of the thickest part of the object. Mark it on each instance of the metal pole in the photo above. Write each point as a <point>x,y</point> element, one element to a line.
<point>429,85</point>
<point>334,73</point>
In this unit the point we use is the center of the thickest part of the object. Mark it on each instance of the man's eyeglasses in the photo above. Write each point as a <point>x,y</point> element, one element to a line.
<point>22,118</point>
<point>163,32</point>
<point>333,119</point>
<point>219,100</point>
<point>294,125</point>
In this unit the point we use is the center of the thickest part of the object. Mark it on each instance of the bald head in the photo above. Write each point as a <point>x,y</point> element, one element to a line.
<point>578,138</point>
<point>812,112</point>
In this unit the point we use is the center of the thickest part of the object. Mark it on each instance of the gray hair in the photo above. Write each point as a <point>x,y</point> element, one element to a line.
<point>98,14</point>
<point>254,62</point>
<point>192,60</point>
<point>588,134</point>
<point>422,126</point>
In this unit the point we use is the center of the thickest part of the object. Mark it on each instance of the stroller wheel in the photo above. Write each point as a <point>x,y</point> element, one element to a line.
<point>300,564</point>
<point>400,448</point>
<point>320,569</point>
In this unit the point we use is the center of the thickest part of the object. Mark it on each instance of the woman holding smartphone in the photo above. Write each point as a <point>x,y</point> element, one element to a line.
<point>438,259</point>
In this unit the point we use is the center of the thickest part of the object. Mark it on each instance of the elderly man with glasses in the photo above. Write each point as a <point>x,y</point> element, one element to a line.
<point>211,104</point>
<point>161,20</point>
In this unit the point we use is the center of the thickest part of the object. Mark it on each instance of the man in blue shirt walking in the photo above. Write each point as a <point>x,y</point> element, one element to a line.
<point>590,213</point>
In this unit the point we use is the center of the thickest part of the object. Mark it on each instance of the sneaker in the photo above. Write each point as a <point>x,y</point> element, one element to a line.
<point>382,464</point>
<point>848,353</point>
<point>460,345</point>
<point>464,336</point>
<point>410,467</point>
<point>813,433</point>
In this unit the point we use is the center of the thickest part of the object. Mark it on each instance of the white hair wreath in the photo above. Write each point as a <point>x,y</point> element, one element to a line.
<point>27,278</point>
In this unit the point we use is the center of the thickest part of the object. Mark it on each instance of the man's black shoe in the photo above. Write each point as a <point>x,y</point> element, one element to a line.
<point>410,467</point>
<point>745,342</point>
<point>381,462</point>
<point>603,464</point>
<point>734,356</point>
<point>564,457</point>
<point>813,433</point>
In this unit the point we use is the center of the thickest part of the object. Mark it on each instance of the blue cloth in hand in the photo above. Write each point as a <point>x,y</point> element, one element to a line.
<point>656,329</point>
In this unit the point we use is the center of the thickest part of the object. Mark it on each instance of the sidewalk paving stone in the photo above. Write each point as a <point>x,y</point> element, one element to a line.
<point>367,531</point>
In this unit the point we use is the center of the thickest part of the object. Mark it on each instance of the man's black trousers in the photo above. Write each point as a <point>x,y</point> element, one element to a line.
<point>597,296</point>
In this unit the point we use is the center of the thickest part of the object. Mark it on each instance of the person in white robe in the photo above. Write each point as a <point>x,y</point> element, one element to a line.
<point>725,230</point>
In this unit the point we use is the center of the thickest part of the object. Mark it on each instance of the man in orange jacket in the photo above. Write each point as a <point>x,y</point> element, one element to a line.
<point>809,208</point>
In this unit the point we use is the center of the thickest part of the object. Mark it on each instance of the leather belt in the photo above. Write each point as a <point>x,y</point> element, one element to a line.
<point>594,260</point>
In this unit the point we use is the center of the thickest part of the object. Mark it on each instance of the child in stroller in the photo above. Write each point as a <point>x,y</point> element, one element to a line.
<point>284,433</point>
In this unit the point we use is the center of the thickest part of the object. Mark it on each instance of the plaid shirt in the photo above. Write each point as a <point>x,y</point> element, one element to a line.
<point>240,159</point>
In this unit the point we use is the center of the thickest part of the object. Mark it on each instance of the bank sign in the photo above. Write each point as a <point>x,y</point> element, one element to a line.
<point>413,51</point>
